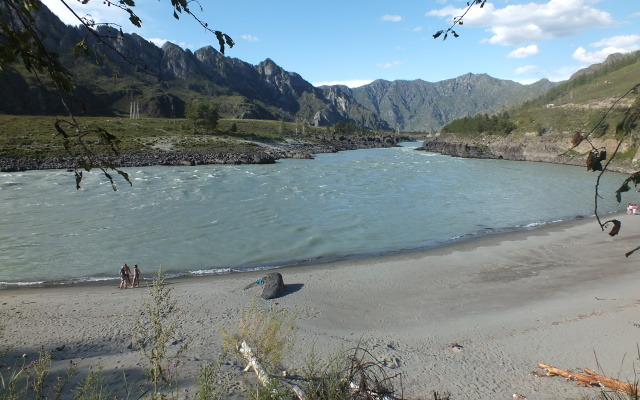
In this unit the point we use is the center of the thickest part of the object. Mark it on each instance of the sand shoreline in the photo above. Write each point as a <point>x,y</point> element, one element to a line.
<point>563,294</point>
<point>473,240</point>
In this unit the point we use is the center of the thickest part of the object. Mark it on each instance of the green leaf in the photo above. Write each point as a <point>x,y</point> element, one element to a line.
<point>623,188</point>
<point>593,161</point>
<point>229,41</point>
<point>635,178</point>
<point>60,130</point>
<point>220,41</point>
<point>78,179</point>
<point>125,176</point>
<point>113,184</point>
<point>84,164</point>
<point>108,136</point>
<point>616,227</point>
<point>135,20</point>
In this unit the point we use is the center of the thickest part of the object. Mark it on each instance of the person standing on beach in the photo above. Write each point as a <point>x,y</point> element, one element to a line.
<point>127,272</point>
<point>136,276</point>
<point>124,277</point>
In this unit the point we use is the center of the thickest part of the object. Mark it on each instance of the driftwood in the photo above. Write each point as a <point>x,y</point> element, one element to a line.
<point>300,394</point>
<point>614,383</point>
<point>263,377</point>
<point>247,353</point>
<point>591,378</point>
<point>585,380</point>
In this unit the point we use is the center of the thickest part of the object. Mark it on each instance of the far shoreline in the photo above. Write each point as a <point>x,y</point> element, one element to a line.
<point>265,153</point>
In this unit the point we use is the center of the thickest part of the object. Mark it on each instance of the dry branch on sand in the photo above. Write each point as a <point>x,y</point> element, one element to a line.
<point>591,378</point>
<point>366,376</point>
<point>261,373</point>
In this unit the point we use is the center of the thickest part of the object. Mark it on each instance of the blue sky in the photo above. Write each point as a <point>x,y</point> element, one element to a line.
<point>354,43</point>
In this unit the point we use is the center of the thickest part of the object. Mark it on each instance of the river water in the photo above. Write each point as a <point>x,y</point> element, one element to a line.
<point>218,218</point>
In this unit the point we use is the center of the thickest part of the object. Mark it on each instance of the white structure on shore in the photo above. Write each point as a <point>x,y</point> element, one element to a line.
<point>134,110</point>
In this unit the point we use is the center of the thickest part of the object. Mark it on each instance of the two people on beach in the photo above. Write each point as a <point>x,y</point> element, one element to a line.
<point>632,209</point>
<point>125,276</point>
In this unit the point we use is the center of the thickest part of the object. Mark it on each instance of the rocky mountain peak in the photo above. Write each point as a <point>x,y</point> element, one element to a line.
<point>267,90</point>
<point>611,58</point>
<point>269,68</point>
<point>178,63</point>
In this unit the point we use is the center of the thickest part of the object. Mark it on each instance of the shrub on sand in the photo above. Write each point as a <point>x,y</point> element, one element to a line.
<point>155,335</point>
<point>269,332</point>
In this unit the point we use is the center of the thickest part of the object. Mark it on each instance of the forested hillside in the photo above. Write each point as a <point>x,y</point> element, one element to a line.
<point>576,105</point>
<point>592,104</point>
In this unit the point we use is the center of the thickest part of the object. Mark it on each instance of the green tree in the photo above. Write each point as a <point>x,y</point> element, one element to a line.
<point>203,114</point>
<point>22,40</point>
<point>499,124</point>
<point>351,127</point>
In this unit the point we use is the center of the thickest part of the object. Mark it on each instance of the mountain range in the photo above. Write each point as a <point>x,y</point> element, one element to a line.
<point>161,81</point>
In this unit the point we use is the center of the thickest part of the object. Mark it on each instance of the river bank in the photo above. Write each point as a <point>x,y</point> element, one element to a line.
<point>264,153</point>
<point>556,149</point>
<point>473,319</point>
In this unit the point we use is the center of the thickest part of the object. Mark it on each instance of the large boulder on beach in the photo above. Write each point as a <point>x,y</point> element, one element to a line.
<point>273,286</point>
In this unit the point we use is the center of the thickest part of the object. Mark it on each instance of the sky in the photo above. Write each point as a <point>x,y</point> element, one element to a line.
<point>354,43</point>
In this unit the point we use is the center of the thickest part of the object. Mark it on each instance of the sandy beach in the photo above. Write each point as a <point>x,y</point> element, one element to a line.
<point>563,295</point>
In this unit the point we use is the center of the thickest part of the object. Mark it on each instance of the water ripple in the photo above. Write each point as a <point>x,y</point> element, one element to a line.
<point>214,219</point>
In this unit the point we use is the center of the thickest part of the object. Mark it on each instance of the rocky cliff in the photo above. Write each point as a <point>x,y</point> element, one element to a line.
<point>551,149</point>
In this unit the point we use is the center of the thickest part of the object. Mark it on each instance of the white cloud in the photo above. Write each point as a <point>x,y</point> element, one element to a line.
<point>527,69</point>
<point>99,12</point>
<point>183,45</point>
<point>249,38</point>
<point>615,44</point>
<point>448,11</point>
<point>417,29</point>
<point>527,81</point>
<point>514,25</point>
<point>392,18</point>
<point>629,42</point>
<point>389,64</point>
<point>562,73</point>
<point>350,83</point>
<point>524,52</point>
<point>158,42</point>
